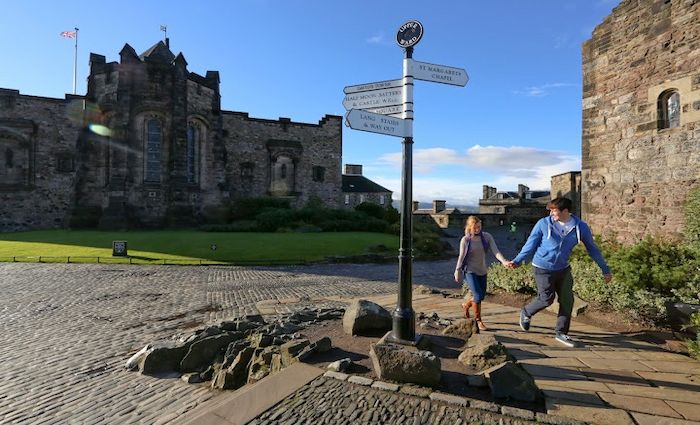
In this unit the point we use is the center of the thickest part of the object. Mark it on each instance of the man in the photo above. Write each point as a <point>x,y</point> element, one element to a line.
<point>551,242</point>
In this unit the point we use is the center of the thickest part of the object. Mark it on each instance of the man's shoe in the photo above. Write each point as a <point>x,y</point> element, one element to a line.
<point>524,321</point>
<point>565,340</point>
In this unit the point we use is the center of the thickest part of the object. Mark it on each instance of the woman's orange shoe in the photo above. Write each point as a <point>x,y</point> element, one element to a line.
<point>466,306</point>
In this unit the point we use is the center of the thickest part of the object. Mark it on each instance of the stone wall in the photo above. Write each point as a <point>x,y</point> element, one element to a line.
<point>636,174</point>
<point>568,185</point>
<point>93,160</point>
<point>284,158</point>
<point>38,140</point>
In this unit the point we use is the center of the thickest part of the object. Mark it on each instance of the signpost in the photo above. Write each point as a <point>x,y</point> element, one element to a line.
<point>373,86</point>
<point>373,98</point>
<point>376,123</point>
<point>438,73</point>
<point>373,107</point>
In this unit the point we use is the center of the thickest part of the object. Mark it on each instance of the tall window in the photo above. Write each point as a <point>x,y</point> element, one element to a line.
<point>191,152</point>
<point>381,200</point>
<point>669,109</point>
<point>153,151</point>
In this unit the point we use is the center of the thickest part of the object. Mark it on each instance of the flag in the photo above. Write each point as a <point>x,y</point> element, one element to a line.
<point>68,34</point>
<point>163,28</point>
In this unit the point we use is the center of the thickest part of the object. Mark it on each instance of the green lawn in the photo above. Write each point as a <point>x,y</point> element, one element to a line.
<point>187,246</point>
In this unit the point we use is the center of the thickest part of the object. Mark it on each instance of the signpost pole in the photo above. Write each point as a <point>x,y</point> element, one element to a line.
<point>403,318</point>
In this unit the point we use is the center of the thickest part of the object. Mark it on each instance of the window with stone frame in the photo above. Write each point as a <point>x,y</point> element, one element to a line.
<point>381,200</point>
<point>318,174</point>
<point>347,199</point>
<point>669,109</point>
<point>153,151</point>
<point>64,163</point>
<point>247,169</point>
<point>192,152</point>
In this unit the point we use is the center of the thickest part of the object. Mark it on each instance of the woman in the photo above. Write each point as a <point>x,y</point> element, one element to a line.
<point>472,263</point>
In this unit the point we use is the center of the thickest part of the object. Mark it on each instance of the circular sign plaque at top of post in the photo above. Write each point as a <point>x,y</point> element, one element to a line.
<point>409,34</point>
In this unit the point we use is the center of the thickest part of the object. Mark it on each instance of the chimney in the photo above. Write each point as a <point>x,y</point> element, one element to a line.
<point>492,192</point>
<point>522,189</point>
<point>414,207</point>
<point>353,169</point>
<point>167,42</point>
<point>438,206</point>
<point>485,192</point>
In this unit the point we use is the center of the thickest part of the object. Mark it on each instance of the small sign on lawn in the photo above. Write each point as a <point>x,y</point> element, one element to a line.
<point>119,249</point>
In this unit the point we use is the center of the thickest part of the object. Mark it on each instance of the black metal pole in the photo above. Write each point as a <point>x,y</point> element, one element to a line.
<point>403,317</point>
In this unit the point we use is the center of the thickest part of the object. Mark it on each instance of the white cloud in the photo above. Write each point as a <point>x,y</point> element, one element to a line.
<point>502,167</point>
<point>541,91</point>
<point>376,39</point>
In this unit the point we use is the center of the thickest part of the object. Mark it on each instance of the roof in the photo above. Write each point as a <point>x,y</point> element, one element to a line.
<point>362,184</point>
<point>158,52</point>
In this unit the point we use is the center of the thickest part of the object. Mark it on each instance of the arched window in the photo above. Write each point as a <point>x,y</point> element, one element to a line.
<point>192,153</point>
<point>153,151</point>
<point>669,109</point>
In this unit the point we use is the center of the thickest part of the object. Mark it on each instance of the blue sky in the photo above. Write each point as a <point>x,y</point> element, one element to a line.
<point>518,120</point>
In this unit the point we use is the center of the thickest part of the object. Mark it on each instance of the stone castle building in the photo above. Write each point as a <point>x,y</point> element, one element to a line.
<point>641,119</point>
<point>525,205</point>
<point>148,145</point>
<point>358,189</point>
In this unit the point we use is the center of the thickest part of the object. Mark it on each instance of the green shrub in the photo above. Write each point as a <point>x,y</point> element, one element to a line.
<point>692,217</point>
<point>236,226</point>
<point>272,219</point>
<point>391,215</point>
<point>371,209</point>
<point>519,280</point>
<point>249,208</point>
<point>694,345</point>
<point>653,265</point>
<point>308,228</point>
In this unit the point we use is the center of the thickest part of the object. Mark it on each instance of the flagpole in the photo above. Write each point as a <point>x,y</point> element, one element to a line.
<point>75,60</point>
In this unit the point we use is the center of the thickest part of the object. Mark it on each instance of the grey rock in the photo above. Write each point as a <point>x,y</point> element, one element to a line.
<point>163,357</point>
<point>232,351</point>
<point>234,376</point>
<point>342,365</point>
<point>482,352</point>
<point>463,328</point>
<point>404,364</point>
<point>191,378</point>
<point>136,359</point>
<point>302,316</point>
<point>204,351</point>
<point>261,340</point>
<point>510,380</point>
<point>289,350</point>
<point>364,316</point>
<point>323,345</point>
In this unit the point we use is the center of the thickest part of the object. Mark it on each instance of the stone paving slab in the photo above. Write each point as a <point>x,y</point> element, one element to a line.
<point>588,413</point>
<point>644,419</point>
<point>640,404</point>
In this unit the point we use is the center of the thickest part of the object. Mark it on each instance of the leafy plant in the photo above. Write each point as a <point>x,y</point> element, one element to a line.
<point>694,345</point>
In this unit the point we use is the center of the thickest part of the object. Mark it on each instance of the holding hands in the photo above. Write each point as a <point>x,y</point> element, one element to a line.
<point>511,265</point>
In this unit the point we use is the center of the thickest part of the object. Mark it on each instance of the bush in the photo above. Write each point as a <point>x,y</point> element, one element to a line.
<point>249,208</point>
<point>391,215</point>
<point>309,228</point>
<point>654,265</point>
<point>272,219</point>
<point>519,280</point>
<point>694,345</point>
<point>236,226</point>
<point>372,210</point>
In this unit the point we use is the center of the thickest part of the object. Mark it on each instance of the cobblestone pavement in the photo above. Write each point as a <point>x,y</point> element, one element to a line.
<point>331,401</point>
<point>67,329</point>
